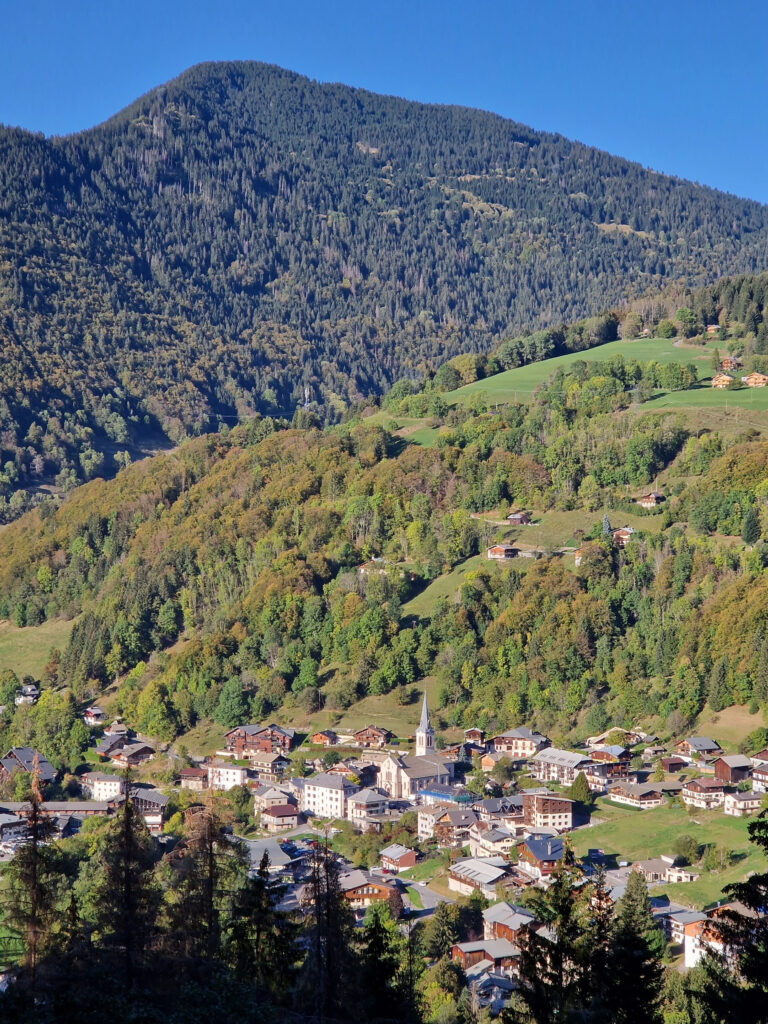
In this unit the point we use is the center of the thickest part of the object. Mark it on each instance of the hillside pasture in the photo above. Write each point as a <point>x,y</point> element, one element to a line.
<point>25,651</point>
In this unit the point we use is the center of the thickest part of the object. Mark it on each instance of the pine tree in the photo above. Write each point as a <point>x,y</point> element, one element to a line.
<point>126,896</point>
<point>442,931</point>
<point>555,968</point>
<point>30,909</point>
<point>580,791</point>
<point>633,971</point>
<point>261,938</point>
<point>750,529</point>
<point>718,694</point>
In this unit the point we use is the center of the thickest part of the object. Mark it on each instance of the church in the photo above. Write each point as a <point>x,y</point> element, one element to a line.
<point>404,775</point>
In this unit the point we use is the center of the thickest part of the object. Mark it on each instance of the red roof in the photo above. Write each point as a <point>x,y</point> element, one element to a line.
<point>281,811</point>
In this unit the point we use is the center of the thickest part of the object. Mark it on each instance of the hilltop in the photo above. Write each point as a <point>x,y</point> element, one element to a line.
<point>245,240</point>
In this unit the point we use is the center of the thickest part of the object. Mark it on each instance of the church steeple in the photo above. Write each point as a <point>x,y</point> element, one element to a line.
<point>425,734</point>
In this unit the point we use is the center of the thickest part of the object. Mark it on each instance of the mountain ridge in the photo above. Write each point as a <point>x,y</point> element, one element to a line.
<point>241,234</point>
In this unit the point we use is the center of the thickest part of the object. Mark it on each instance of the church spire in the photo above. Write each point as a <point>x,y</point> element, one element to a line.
<point>425,734</point>
<point>424,723</point>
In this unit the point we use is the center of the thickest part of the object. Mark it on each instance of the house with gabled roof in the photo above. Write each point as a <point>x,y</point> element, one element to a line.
<point>478,873</point>
<point>245,740</point>
<point>506,921</point>
<point>540,857</point>
<point>499,954</point>
<point>697,747</point>
<point>397,858</point>
<point>519,743</point>
<point>732,768</point>
<point>553,765</point>
<point>27,760</point>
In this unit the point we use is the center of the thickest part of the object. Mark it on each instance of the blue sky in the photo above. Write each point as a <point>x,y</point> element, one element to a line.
<point>679,85</point>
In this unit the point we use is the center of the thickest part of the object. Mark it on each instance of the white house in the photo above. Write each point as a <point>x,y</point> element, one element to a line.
<point>225,775</point>
<point>102,787</point>
<point>326,795</point>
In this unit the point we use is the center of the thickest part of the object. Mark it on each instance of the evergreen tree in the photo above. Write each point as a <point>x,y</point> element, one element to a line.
<point>555,967</point>
<point>262,939</point>
<point>750,530</point>
<point>633,971</point>
<point>126,896</point>
<point>580,791</point>
<point>442,931</point>
<point>718,693</point>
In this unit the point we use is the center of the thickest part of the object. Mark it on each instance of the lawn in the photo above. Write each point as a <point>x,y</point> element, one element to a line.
<point>519,384</point>
<point>728,727</point>
<point>26,650</point>
<point>639,835</point>
<point>426,869</point>
<point>447,585</point>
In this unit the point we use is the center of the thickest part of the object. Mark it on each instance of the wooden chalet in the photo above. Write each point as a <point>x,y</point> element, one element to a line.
<point>324,738</point>
<point>372,736</point>
<point>721,381</point>
<point>755,380</point>
<point>501,552</point>
<point>246,740</point>
<point>650,500</point>
<point>622,536</point>
<point>519,519</point>
<point>500,954</point>
<point>732,768</point>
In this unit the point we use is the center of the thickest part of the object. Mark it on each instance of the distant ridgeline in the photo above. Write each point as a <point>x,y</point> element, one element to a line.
<point>243,234</point>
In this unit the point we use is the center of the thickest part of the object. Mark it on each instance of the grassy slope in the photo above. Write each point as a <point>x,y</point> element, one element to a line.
<point>519,384</point>
<point>639,835</point>
<point>26,650</point>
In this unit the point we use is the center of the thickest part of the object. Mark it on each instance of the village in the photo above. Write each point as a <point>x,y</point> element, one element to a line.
<point>487,817</point>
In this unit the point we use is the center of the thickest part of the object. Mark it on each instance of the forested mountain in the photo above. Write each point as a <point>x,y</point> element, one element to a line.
<point>246,546</point>
<point>243,233</point>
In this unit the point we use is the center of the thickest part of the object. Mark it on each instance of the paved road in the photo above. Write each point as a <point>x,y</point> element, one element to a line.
<point>429,899</point>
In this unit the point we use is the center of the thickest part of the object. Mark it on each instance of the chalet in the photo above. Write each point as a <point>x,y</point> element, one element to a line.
<point>246,740</point>
<point>673,764</point>
<point>732,768</point>
<point>490,759</point>
<point>655,869</point>
<point>150,803</point>
<point>741,805</point>
<point>697,747</point>
<point>703,793</point>
<point>360,889</point>
<point>760,758</point>
<point>403,776</point>
<point>547,811</point>
<point>622,536</point>
<point>628,737</point>
<point>755,380</point>
<point>519,519</point>
<point>12,826</point>
<point>100,786</point>
<point>477,873</point>
<point>553,765</point>
<point>269,767</point>
<point>366,805</point>
<point>490,839</point>
<point>193,778</point>
<point>644,796</point>
<point>27,760</point>
<point>109,745</point>
<point>271,796</point>
<point>731,363</point>
<point>540,857</point>
<point>475,735</point>
<point>132,754</point>
<point>427,818</point>
<point>280,817</point>
<point>372,736</point>
<point>94,716</point>
<point>117,729</point>
<point>721,381</point>
<point>503,808</point>
<point>650,500</point>
<point>612,754</point>
<point>28,694</point>
<point>451,828</point>
<point>499,954</point>
<point>501,552</point>
<point>224,775</point>
<point>703,936</point>
<point>397,858</point>
<point>506,921</point>
<point>326,795</point>
<point>519,743</point>
<point>324,738</point>
<point>760,779</point>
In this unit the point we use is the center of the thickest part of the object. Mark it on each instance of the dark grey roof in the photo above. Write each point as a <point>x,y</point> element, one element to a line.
<point>545,849</point>
<point>24,757</point>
